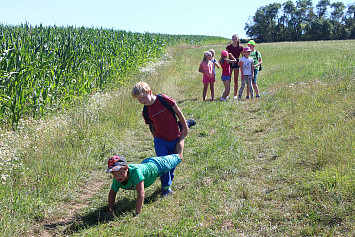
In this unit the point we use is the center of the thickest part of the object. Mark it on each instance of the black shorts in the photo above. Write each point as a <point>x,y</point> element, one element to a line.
<point>234,65</point>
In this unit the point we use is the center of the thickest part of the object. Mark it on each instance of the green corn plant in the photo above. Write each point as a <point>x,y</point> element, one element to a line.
<point>43,69</point>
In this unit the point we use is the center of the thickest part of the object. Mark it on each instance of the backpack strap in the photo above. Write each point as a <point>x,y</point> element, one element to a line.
<point>256,55</point>
<point>166,105</point>
<point>146,115</point>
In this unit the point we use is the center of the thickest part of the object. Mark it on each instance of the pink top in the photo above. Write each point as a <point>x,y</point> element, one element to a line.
<point>208,69</point>
<point>226,70</point>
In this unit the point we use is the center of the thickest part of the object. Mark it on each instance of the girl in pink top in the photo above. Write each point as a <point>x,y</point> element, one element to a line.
<point>226,72</point>
<point>206,68</point>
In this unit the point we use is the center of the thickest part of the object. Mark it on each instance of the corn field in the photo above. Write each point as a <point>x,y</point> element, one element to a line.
<point>43,69</point>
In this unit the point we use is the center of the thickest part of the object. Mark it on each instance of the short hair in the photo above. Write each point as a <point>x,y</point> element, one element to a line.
<point>140,88</point>
<point>212,51</point>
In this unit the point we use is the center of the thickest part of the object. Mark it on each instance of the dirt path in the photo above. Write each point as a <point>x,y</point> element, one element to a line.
<point>58,225</point>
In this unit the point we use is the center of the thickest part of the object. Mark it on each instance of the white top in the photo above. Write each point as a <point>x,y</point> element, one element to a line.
<point>247,65</point>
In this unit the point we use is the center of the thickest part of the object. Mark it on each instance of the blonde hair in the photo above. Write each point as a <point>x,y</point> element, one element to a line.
<point>204,56</point>
<point>212,52</point>
<point>140,88</point>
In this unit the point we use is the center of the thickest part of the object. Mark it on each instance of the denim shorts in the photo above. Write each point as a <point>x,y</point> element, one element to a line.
<point>255,76</point>
<point>225,78</point>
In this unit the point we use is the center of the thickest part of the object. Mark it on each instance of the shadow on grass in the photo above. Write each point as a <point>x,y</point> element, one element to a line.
<point>182,101</point>
<point>99,216</point>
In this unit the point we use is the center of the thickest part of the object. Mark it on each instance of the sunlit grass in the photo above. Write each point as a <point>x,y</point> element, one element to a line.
<point>280,165</point>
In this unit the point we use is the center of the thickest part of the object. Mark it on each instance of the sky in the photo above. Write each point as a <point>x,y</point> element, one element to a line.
<point>197,17</point>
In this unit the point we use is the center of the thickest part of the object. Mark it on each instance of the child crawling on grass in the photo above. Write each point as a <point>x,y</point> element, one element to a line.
<point>140,176</point>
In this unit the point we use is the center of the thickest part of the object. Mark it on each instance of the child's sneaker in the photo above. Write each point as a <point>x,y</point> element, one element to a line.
<point>166,192</point>
<point>257,96</point>
<point>227,97</point>
<point>235,97</point>
<point>191,122</point>
<point>247,98</point>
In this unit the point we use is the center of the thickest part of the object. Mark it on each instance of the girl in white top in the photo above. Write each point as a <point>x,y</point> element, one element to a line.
<point>247,73</point>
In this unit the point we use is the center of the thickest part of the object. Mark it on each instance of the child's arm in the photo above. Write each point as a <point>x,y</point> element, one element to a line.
<point>140,196</point>
<point>232,57</point>
<point>216,64</point>
<point>260,62</point>
<point>111,199</point>
<point>200,69</point>
<point>182,119</point>
<point>241,68</point>
<point>232,60</point>
<point>179,147</point>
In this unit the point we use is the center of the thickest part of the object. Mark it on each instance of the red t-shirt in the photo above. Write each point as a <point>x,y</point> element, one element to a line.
<point>163,120</point>
<point>226,70</point>
<point>234,50</point>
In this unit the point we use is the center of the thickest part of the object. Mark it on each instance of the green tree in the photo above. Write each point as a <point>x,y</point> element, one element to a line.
<point>322,7</point>
<point>349,21</point>
<point>336,16</point>
<point>263,25</point>
<point>338,11</point>
<point>304,16</point>
<point>288,21</point>
<point>301,21</point>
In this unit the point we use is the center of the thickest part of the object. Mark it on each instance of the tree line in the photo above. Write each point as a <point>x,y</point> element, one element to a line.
<point>301,21</point>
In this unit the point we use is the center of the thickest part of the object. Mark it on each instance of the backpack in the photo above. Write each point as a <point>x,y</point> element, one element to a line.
<point>257,58</point>
<point>166,105</point>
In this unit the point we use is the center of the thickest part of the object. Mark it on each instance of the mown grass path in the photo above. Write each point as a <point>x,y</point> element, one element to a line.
<point>281,165</point>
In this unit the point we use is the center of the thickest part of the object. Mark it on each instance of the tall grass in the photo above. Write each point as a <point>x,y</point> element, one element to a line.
<point>47,68</point>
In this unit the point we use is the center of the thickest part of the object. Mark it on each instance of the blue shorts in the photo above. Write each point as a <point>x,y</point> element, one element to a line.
<point>255,76</point>
<point>225,78</point>
<point>164,163</point>
<point>164,148</point>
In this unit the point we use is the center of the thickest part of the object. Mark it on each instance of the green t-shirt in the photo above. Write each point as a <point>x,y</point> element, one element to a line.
<point>253,56</point>
<point>138,172</point>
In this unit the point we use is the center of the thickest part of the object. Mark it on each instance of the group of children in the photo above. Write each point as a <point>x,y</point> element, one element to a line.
<point>249,66</point>
<point>169,126</point>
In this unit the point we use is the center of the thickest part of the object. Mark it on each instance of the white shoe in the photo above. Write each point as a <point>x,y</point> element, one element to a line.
<point>235,97</point>
<point>227,97</point>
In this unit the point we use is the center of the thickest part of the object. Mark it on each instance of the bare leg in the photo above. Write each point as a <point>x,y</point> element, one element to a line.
<point>236,75</point>
<point>205,86</point>
<point>212,90</point>
<point>256,89</point>
<point>227,88</point>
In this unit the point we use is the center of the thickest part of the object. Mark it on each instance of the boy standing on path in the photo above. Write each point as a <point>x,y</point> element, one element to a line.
<point>160,111</point>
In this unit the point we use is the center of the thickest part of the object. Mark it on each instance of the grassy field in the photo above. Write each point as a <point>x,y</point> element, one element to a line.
<point>281,165</point>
